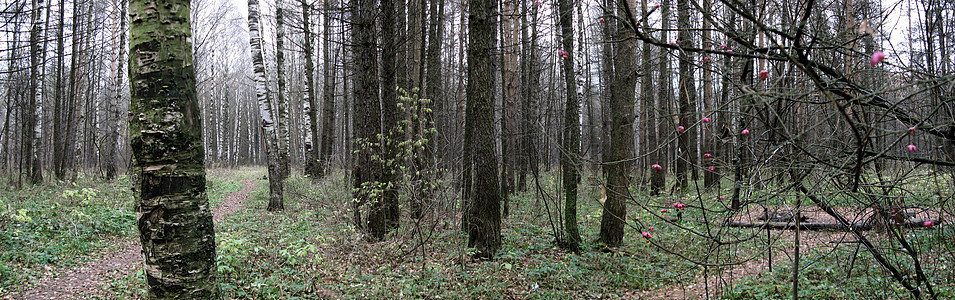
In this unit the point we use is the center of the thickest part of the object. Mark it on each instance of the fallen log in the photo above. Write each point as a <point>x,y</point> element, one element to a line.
<point>915,223</point>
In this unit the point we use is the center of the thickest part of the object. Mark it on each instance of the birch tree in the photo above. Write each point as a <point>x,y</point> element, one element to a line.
<point>265,109</point>
<point>311,110</point>
<point>174,219</point>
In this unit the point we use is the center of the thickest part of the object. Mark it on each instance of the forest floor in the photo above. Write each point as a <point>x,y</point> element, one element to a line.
<point>707,285</point>
<point>119,259</point>
<point>311,250</point>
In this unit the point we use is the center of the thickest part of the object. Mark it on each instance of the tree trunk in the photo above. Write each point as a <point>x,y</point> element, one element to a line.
<point>389,113</point>
<point>686,160</point>
<point>622,92</point>
<point>653,123</point>
<point>265,109</point>
<point>282,109</point>
<point>34,110</point>
<point>311,109</point>
<point>59,109</point>
<point>663,99</point>
<point>328,94</point>
<point>114,121</point>
<point>710,178</point>
<point>367,122</point>
<point>175,222</point>
<point>571,141</point>
<point>484,226</point>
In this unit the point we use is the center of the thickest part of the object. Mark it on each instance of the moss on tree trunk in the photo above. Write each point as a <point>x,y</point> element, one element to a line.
<point>484,207</point>
<point>174,218</point>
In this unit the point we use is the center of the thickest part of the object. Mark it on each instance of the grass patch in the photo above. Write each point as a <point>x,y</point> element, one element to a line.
<point>851,273</point>
<point>311,250</point>
<point>59,224</point>
<point>62,225</point>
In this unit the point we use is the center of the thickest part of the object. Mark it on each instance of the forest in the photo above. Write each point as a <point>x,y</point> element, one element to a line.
<point>477,149</point>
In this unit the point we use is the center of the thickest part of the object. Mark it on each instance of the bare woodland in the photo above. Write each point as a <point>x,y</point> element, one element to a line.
<point>733,123</point>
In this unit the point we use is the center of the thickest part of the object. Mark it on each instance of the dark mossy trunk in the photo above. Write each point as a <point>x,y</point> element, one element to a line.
<point>367,123</point>
<point>686,160</point>
<point>389,113</point>
<point>622,92</point>
<point>328,94</point>
<point>484,210</point>
<point>174,217</point>
<point>571,141</point>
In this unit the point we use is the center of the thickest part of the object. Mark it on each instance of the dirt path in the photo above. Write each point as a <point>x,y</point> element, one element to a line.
<point>85,281</point>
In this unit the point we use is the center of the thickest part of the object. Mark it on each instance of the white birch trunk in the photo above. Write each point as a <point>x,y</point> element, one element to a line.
<point>265,107</point>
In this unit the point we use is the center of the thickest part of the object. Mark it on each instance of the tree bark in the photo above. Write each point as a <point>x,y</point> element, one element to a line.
<point>484,222</point>
<point>267,121</point>
<point>175,222</point>
<point>311,108</point>
<point>389,113</point>
<point>686,160</point>
<point>622,93</point>
<point>328,94</point>
<point>114,121</point>
<point>571,141</point>
<point>282,109</point>
<point>367,122</point>
<point>31,140</point>
<point>59,103</point>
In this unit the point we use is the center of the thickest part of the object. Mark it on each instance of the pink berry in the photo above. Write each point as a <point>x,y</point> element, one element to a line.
<point>706,59</point>
<point>911,129</point>
<point>912,148</point>
<point>673,43</point>
<point>745,132</point>
<point>928,224</point>
<point>651,228</point>
<point>707,155</point>
<point>763,74</point>
<point>729,51</point>
<point>647,236</point>
<point>680,129</point>
<point>723,46</point>
<point>663,210</point>
<point>719,197</point>
<point>877,57</point>
<point>679,205</point>
<point>656,167</point>
<point>706,120</point>
<point>712,169</point>
<point>602,20</point>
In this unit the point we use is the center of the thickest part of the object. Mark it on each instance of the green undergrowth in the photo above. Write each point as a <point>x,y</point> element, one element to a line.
<point>220,183</point>
<point>852,273</point>
<point>311,250</point>
<point>59,224</point>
